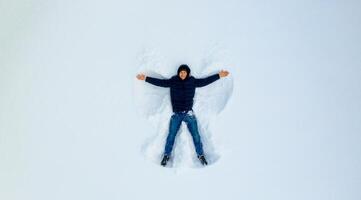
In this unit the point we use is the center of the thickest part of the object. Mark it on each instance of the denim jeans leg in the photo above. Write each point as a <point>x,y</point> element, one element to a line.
<point>193,129</point>
<point>174,126</point>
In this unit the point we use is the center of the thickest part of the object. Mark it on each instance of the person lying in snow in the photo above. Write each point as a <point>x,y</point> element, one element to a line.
<point>182,89</point>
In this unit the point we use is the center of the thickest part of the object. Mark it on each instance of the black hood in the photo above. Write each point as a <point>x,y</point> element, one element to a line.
<point>184,68</point>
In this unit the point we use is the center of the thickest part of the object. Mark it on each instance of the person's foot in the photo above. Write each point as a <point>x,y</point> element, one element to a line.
<point>164,160</point>
<point>203,160</point>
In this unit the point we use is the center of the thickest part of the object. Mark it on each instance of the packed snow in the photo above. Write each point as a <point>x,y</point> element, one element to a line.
<point>153,103</point>
<point>76,124</point>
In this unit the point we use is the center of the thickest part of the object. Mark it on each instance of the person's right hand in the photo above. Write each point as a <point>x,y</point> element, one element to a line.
<point>141,77</point>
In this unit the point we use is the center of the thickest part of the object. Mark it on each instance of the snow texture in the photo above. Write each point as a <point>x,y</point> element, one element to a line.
<point>153,103</point>
<point>76,124</point>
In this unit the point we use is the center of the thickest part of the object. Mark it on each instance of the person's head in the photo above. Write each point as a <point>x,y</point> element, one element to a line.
<point>183,71</point>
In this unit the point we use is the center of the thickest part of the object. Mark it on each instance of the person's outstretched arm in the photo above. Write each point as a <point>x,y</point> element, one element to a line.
<point>201,82</point>
<point>154,81</point>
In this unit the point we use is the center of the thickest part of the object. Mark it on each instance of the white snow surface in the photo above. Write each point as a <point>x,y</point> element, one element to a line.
<point>76,124</point>
<point>153,103</point>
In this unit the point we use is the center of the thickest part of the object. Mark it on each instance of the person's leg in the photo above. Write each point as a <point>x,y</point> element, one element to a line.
<point>174,125</point>
<point>191,121</point>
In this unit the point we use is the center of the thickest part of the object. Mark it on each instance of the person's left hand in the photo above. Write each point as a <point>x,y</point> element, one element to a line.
<point>223,73</point>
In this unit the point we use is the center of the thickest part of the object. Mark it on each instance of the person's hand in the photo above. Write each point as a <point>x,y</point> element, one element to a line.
<point>141,77</point>
<point>223,73</point>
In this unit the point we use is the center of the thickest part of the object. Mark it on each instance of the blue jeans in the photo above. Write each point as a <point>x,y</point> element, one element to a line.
<point>174,125</point>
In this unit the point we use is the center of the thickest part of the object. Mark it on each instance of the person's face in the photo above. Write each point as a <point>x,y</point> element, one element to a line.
<point>183,74</point>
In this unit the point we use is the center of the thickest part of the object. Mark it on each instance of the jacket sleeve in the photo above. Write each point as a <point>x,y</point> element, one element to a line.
<point>200,82</point>
<point>158,82</point>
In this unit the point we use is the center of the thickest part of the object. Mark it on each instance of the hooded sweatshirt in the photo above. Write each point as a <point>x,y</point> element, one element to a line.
<point>182,91</point>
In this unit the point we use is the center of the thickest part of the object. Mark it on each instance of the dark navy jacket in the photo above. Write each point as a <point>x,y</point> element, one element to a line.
<point>182,91</point>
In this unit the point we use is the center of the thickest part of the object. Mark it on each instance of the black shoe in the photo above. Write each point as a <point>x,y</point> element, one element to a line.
<point>164,160</point>
<point>203,160</point>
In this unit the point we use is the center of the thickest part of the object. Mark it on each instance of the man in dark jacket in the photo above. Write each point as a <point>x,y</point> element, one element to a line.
<point>182,88</point>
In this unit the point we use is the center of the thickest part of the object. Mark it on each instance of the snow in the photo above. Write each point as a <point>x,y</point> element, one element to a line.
<point>154,104</point>
<point>76,124</point>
